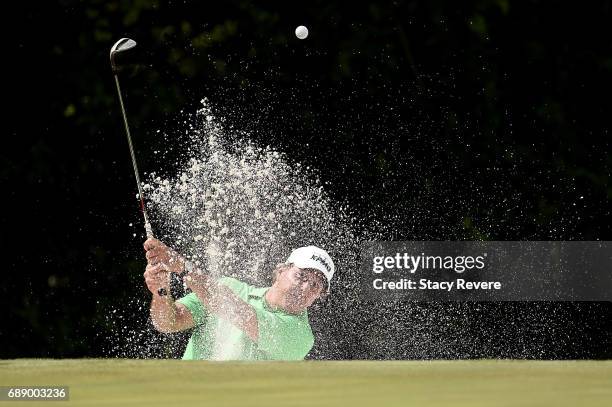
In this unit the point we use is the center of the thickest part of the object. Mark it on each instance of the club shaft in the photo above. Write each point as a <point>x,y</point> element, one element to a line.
<point>148,228</point>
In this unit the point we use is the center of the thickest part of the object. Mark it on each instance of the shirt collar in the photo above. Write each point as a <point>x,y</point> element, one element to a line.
<point>261,293</point>
<point>258,292</point>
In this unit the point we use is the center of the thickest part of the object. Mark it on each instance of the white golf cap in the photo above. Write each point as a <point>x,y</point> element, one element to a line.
<point>312,257</point>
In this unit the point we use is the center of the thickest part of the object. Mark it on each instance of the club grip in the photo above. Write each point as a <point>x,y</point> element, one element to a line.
<point>148,230</point>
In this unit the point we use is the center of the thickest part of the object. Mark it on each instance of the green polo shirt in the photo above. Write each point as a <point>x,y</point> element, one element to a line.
<point>282,336</point>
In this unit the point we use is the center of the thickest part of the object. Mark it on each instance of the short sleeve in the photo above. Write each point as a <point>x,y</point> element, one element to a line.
<point>193,304</point>
<point>282,336</point>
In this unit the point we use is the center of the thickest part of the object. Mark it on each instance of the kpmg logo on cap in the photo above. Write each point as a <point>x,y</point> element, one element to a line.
<point>321,260</point>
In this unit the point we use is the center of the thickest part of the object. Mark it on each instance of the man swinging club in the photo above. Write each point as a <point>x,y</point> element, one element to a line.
<point>234,320</point>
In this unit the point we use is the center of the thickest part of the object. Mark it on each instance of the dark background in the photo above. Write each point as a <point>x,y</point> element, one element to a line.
<point>438,120</point>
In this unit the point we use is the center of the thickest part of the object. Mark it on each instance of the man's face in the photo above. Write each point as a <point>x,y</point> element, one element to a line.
<point>301,286</point>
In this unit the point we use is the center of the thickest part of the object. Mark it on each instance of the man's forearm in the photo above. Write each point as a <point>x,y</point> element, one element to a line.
<point>163,313</point>
<point>223,302</point>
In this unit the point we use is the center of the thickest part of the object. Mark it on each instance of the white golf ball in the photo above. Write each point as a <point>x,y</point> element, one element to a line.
<point>301,32</point>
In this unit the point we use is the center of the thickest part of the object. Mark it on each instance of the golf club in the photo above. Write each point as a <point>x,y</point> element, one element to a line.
<point>122,46</point>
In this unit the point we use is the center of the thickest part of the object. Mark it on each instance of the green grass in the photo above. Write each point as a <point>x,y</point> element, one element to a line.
<point>121,382</point>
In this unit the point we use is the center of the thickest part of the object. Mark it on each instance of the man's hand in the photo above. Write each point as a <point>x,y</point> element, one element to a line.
<point>166,314</point>
<point>157,277</point>
<point>159,253</point>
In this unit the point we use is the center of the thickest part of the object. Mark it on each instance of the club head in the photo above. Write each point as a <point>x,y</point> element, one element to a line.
<point>121,46</point>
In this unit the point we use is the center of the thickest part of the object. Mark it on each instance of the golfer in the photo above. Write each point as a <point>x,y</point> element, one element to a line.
<point>234,320</point>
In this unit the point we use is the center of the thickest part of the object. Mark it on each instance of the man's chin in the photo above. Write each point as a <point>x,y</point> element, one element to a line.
<point>295,300</point>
